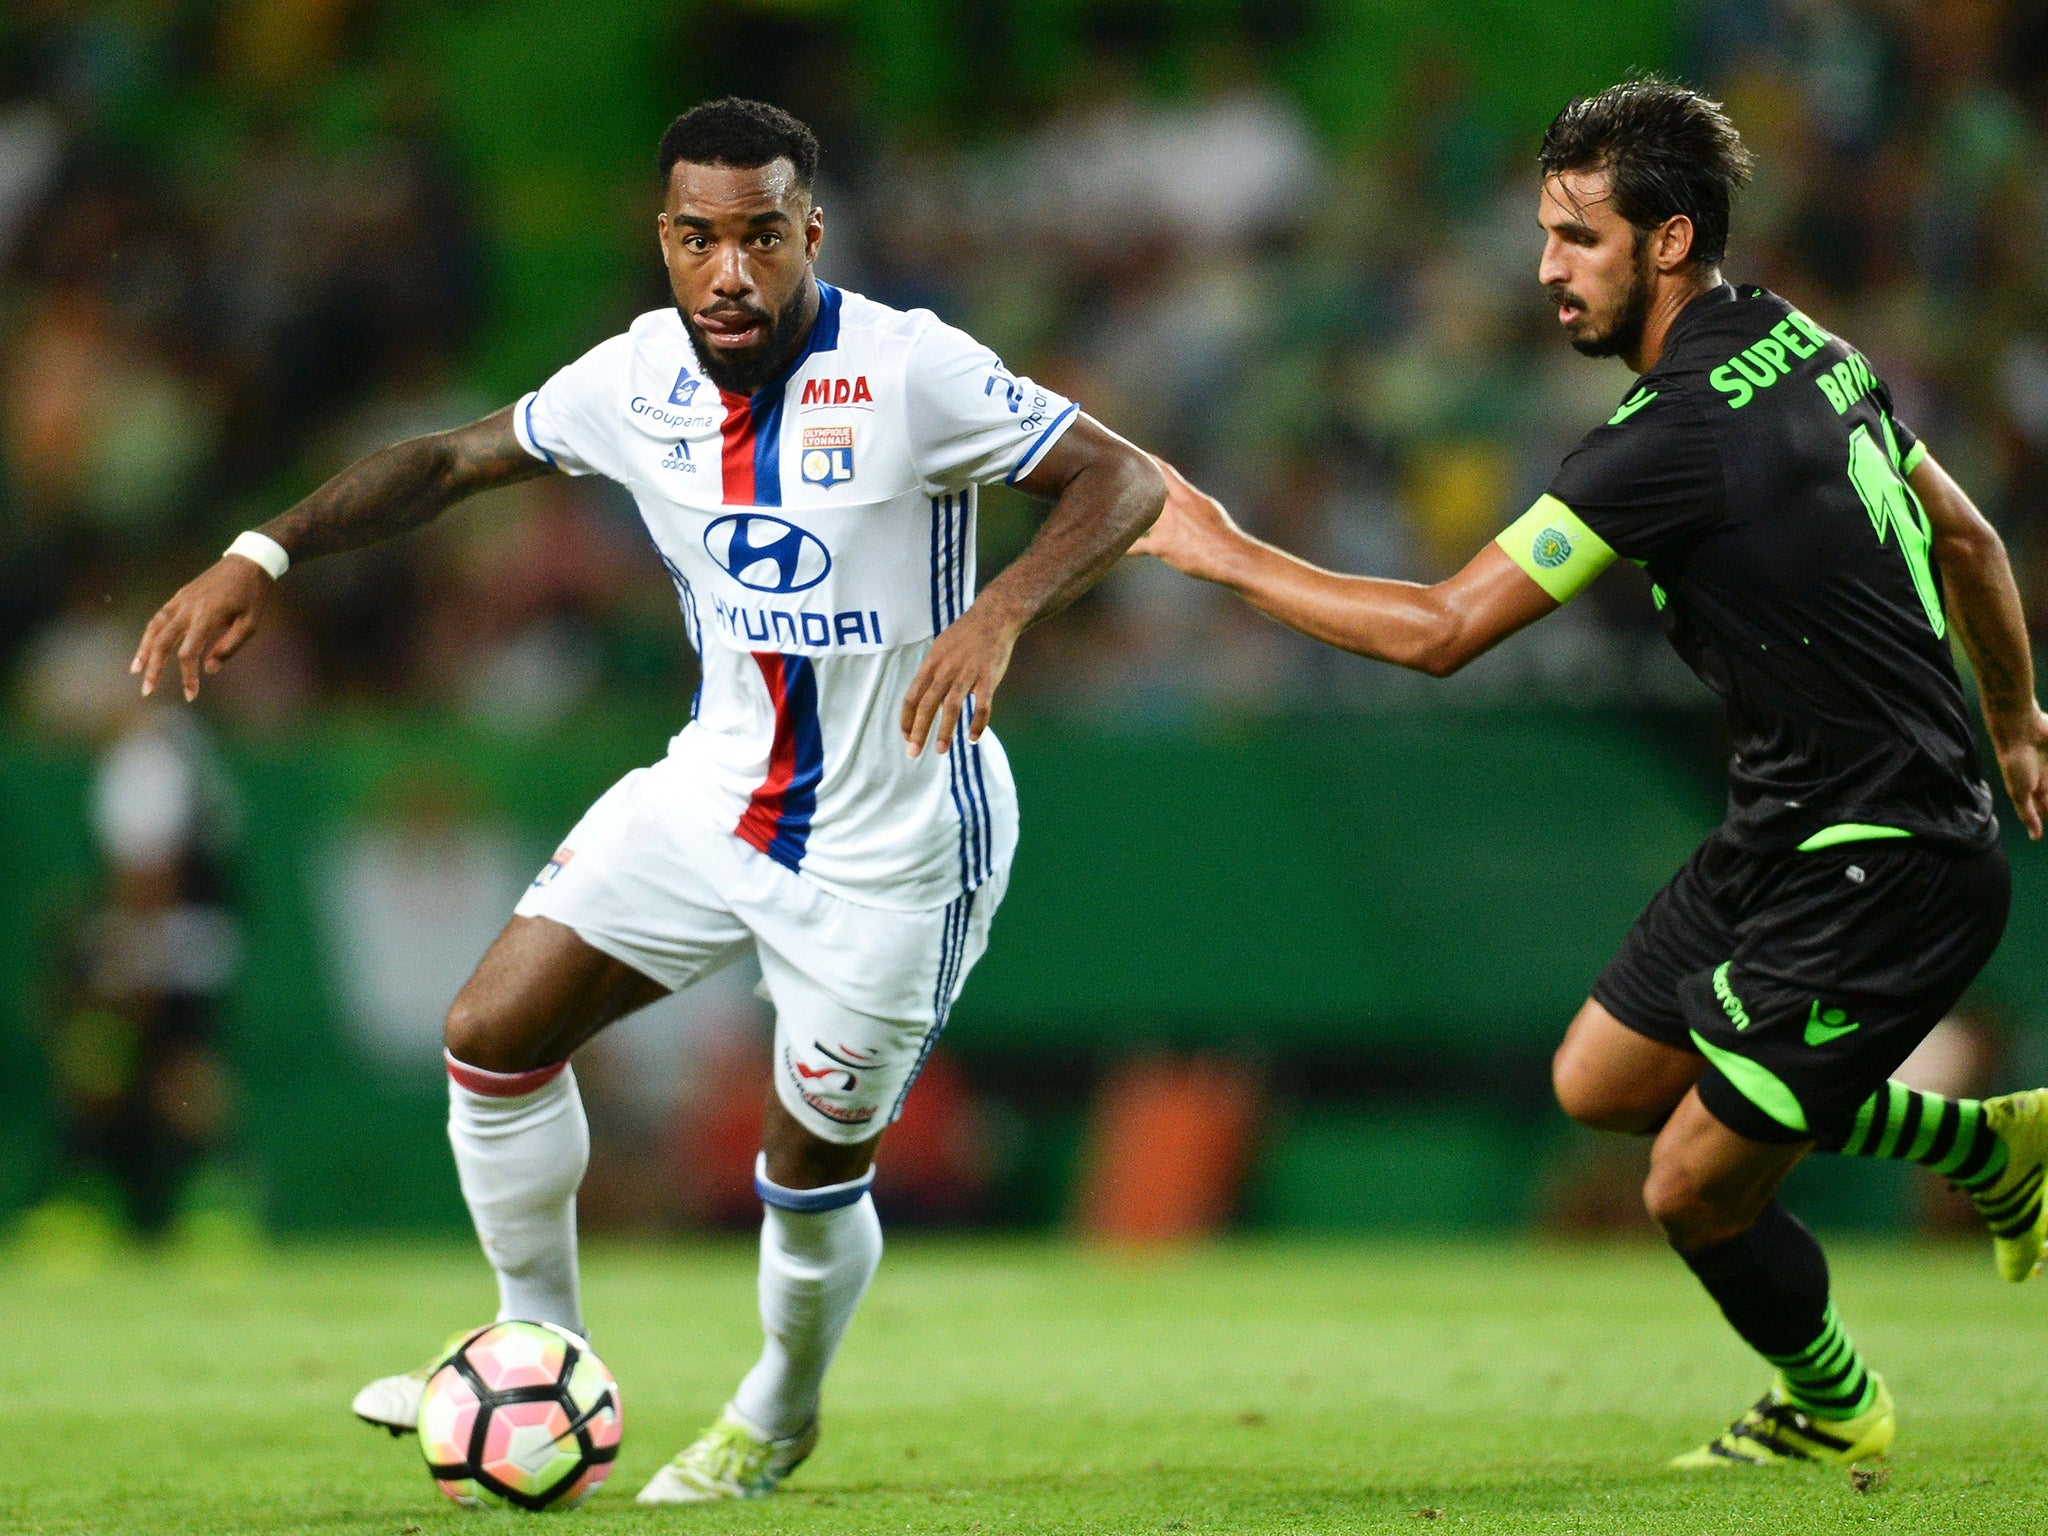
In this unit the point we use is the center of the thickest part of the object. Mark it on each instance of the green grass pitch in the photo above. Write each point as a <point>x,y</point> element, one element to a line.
<point>1027,1387</point>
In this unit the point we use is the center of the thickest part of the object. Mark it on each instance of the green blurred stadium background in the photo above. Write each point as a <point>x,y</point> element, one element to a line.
<point>1289,244</point>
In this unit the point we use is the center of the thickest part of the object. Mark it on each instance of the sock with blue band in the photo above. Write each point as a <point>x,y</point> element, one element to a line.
<point>819,1250</point>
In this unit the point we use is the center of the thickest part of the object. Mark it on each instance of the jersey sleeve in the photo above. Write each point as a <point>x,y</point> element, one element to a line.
<point>569,422</point>
<point>1903,442</point>
<point>1553,545</point>
<point>1648,482</point>
<point>971,420</point>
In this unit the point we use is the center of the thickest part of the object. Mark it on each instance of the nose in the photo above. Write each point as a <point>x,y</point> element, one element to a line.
<point>730,277</point>
<point>1552,267</point>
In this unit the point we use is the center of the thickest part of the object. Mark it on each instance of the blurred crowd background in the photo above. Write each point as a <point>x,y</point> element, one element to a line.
<point>1288,243</point>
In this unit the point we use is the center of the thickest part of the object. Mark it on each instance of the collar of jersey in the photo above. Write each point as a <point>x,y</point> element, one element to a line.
<point>824,337</point>
<point>1701,307</point>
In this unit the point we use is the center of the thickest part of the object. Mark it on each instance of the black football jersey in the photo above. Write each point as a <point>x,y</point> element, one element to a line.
<point>1758,474</point>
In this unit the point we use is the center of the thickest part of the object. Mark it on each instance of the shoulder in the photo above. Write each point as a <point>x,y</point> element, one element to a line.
<point>653,338</point>
<point>1657,447</point>
<point>1659,409</point>
<point>876,332</point>
<point>652,357</point>
<point>658,332</point>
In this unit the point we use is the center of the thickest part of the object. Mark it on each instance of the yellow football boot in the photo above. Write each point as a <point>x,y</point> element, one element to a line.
<point>2013,1207</point>
<point>1775,1431</point>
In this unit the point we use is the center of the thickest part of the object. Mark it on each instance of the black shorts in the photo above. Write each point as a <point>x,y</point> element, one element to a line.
<point>1806,978</point>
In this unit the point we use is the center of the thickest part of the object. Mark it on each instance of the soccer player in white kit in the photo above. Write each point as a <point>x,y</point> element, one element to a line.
<point>806,461</point>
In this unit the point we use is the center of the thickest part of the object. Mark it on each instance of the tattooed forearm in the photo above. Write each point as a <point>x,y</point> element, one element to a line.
<point>403,486</point>
<point>1983,598</point>
<point>2005,673</point>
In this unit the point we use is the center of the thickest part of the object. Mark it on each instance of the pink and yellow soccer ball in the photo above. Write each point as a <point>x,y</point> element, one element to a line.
<point>522,1416</point>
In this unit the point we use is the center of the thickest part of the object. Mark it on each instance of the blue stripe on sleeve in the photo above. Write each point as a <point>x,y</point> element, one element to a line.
<point>530,441</point>
<point>1044,439</point>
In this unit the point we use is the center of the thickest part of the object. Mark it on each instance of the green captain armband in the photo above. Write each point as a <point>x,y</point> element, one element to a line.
<point>1560,553</point>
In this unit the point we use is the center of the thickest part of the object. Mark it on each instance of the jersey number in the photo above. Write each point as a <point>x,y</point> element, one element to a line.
<point>1893,507</point>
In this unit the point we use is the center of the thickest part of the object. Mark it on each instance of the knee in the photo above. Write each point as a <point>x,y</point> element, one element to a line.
<point>1589,1097</point>
<point>476,1035</point>
<point>1686,1212</point>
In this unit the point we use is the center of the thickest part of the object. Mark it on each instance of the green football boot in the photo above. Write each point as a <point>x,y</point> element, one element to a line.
<point>729,1461</point>
<point>2012,1207</point>
<point>1775,1431</point>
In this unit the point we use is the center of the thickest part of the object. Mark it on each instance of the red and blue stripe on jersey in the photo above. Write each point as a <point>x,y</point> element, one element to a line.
<point>777,820</point>
<point>752,431</point>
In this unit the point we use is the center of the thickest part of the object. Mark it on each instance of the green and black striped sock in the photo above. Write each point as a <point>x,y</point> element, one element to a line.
<point>1950,1137</point>
<point>1828,1378</point>
<point>1771,1283</point>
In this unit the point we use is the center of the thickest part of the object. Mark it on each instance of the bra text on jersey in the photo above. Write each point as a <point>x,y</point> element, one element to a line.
<point>1847,382</point>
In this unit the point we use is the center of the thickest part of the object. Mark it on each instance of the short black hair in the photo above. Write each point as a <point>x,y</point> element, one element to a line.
<point>741,133</point>
<point>1667,149</point>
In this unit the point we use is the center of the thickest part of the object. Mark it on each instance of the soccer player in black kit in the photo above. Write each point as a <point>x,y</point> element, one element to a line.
<point>1810,559</point>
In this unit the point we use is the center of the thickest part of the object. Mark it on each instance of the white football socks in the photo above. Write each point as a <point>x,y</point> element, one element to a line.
<point>521,1145</point>
<point>819,1250</point>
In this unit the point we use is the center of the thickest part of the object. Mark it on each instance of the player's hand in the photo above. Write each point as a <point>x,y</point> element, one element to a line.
<point>1194,533</point>
<point>2023,759</point>
<point>204,624</point>
<point>965,663</point>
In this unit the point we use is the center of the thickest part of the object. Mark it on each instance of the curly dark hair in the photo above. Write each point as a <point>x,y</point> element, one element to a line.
<point>737,132</point>
<point>1668,149</point>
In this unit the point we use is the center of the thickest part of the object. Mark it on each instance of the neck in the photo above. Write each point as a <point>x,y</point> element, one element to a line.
<point>807,306</point>
<point>1674,292</point>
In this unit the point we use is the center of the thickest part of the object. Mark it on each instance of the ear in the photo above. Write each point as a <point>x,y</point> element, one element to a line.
<point>1672,246</point>
<point>814,232</point>
<point>661,233</point>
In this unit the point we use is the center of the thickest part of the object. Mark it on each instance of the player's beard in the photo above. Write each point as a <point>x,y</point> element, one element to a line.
<point>1625,335</point>
<point>745,372</point>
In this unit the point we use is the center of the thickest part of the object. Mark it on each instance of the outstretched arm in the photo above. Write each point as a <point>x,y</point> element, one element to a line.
<point>1107,492</point>
<point>1434,629</point>
<point>1985,603</point>
<point>376,498</point>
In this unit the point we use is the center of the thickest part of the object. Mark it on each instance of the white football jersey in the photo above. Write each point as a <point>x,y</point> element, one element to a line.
<point>820,533</point>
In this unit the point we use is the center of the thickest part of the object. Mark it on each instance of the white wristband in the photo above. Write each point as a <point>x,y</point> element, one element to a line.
<point>263,549</point>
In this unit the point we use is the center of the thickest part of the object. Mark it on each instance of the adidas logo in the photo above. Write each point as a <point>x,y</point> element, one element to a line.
<point>679,457</point>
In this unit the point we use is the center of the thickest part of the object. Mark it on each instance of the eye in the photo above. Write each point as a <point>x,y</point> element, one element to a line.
<point>768,239</point>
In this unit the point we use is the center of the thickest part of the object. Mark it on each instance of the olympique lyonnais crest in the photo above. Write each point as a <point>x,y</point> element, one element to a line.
<point>827,455</point>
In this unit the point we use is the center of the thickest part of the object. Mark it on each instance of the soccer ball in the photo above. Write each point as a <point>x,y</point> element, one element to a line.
<point>521,1414</point>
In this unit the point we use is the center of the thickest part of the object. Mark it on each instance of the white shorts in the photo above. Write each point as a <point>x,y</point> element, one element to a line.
<point>860,993</point>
